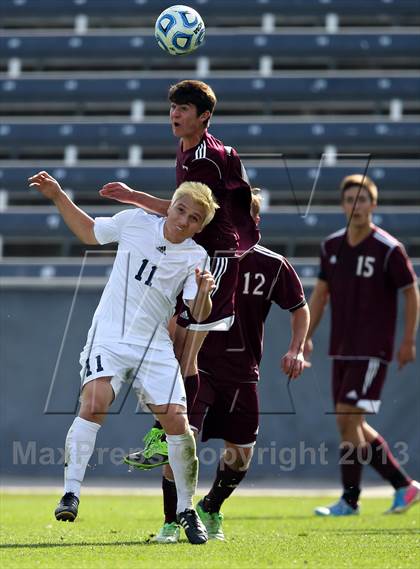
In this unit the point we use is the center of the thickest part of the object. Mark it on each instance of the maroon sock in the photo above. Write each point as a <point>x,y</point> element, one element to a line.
<point>192,385</point>
<point>386,465</point>
<point>225,483</point>
<point>170,500</point>
<point>351,473</point>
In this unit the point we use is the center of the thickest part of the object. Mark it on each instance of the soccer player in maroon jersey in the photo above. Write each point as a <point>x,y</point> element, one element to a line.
<point>202,158</point>
<point>226,406</point>
<point>362,270</point>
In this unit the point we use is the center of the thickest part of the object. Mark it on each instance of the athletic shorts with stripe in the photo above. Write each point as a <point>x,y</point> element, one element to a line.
<point>227,411</point>
<point>225,270</point>
<point>359,383</point>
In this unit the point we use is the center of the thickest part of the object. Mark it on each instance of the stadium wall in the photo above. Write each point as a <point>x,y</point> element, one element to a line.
<point>298,438</point>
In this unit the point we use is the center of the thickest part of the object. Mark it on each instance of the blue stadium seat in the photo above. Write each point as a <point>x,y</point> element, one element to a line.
<point>98,268</point>
<point>309,87</point>
<point>46,222</point>
<point>311,45</point>
<point>288,136</point>
<point>395,181</point>
<point>150,8</point>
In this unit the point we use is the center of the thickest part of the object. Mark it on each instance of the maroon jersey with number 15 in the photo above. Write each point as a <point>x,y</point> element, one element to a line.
<point>218,166</point>
<point>363,282</point>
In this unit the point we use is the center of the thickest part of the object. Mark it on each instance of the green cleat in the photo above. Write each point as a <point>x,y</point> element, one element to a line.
<point>168,533</point>
<point>154,454</point>
<point>212,521</point>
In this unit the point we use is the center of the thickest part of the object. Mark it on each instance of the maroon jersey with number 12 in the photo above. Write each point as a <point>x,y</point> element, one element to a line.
<point>363,282</point>
<point>264,278</point>
<point>219,166</point>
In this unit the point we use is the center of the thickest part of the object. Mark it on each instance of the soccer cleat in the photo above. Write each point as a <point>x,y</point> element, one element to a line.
<point>194,530</point>
<point>340,508</point>
<point>168,533</point>
<point>404,498</point>
<point>66,511</point>
<point>212,521</point>
<point>154,454</point>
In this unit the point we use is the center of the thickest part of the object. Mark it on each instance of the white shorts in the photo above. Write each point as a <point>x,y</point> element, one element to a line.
<point>153,373</point>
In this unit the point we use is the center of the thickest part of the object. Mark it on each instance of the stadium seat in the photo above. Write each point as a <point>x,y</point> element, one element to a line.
<point>46,222</point>
<point>284,179</point>
<point>114,10</point>
<point>98,267</point>
<point>140,47</point>
<point>248,135</point>
<point>309,87</point>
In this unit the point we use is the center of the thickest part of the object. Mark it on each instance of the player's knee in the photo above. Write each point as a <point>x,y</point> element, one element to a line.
<point>174,421</point>
<point>94,408</point>
<point>237,458</point>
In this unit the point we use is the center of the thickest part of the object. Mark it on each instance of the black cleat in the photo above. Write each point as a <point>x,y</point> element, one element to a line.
<point>66,511</point>
<point>194,529</point>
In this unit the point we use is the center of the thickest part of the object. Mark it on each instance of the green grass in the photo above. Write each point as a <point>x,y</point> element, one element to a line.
<point>115,532</point>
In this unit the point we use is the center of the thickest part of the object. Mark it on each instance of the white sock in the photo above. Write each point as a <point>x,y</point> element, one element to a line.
<point>80,444</point>
<point>184,463</point>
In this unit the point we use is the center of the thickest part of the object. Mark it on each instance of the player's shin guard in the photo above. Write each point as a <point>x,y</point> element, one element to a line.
<point>386,465</point>
<point>351,464</point>
<point>80,443</point>
<point>224,484</point>
<point>170,500</point>
<point>184,463</point>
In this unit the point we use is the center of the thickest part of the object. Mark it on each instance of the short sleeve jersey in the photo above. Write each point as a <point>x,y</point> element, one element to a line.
<point>219,166</point>
<point>147,275</point>
<point>363,282</point>
<point>264,278</point>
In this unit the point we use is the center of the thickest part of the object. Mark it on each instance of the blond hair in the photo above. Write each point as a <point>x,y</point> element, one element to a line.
<point>256,200</point>
<point>360,181</point>
<point>201,195</point>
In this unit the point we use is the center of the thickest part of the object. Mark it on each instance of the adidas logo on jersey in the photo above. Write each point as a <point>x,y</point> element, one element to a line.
<point>184,315</point>
<point>161,249</point>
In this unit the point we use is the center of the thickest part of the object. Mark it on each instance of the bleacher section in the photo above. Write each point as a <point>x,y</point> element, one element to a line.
<point>309,91</point>
<point>286,181</point>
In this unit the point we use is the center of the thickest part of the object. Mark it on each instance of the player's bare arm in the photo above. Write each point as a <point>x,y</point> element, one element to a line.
<point>317,303</point>
<point>79,222</point>
<point>293,362</point>
<point>120,192</point>
<point>407,350</point>
<point>201,305</point>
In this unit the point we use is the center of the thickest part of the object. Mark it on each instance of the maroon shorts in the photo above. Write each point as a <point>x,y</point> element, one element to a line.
<point>359,383</point>
<point>227,411</point>
<point>225,271</point>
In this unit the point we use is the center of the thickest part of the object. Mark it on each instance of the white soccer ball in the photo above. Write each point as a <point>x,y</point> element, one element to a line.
<point>179,30</point>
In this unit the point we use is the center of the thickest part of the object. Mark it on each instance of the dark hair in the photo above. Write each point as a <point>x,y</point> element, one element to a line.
<point>194,92</point>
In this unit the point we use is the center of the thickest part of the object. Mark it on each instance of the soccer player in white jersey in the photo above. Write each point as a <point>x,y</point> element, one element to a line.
<point>129,340</point>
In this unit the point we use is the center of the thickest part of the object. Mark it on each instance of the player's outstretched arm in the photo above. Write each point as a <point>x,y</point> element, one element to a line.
<point>293,362</point>
<point>122,193</point>
<point>201,305</point>
<point>407,350</point>
<point>317,303</point>
<point>79,222</point>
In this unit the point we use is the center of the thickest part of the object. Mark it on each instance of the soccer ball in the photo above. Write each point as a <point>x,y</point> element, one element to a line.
<point>179,30</point>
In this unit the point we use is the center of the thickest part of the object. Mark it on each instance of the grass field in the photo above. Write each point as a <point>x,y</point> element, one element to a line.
<point>261,532</point>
